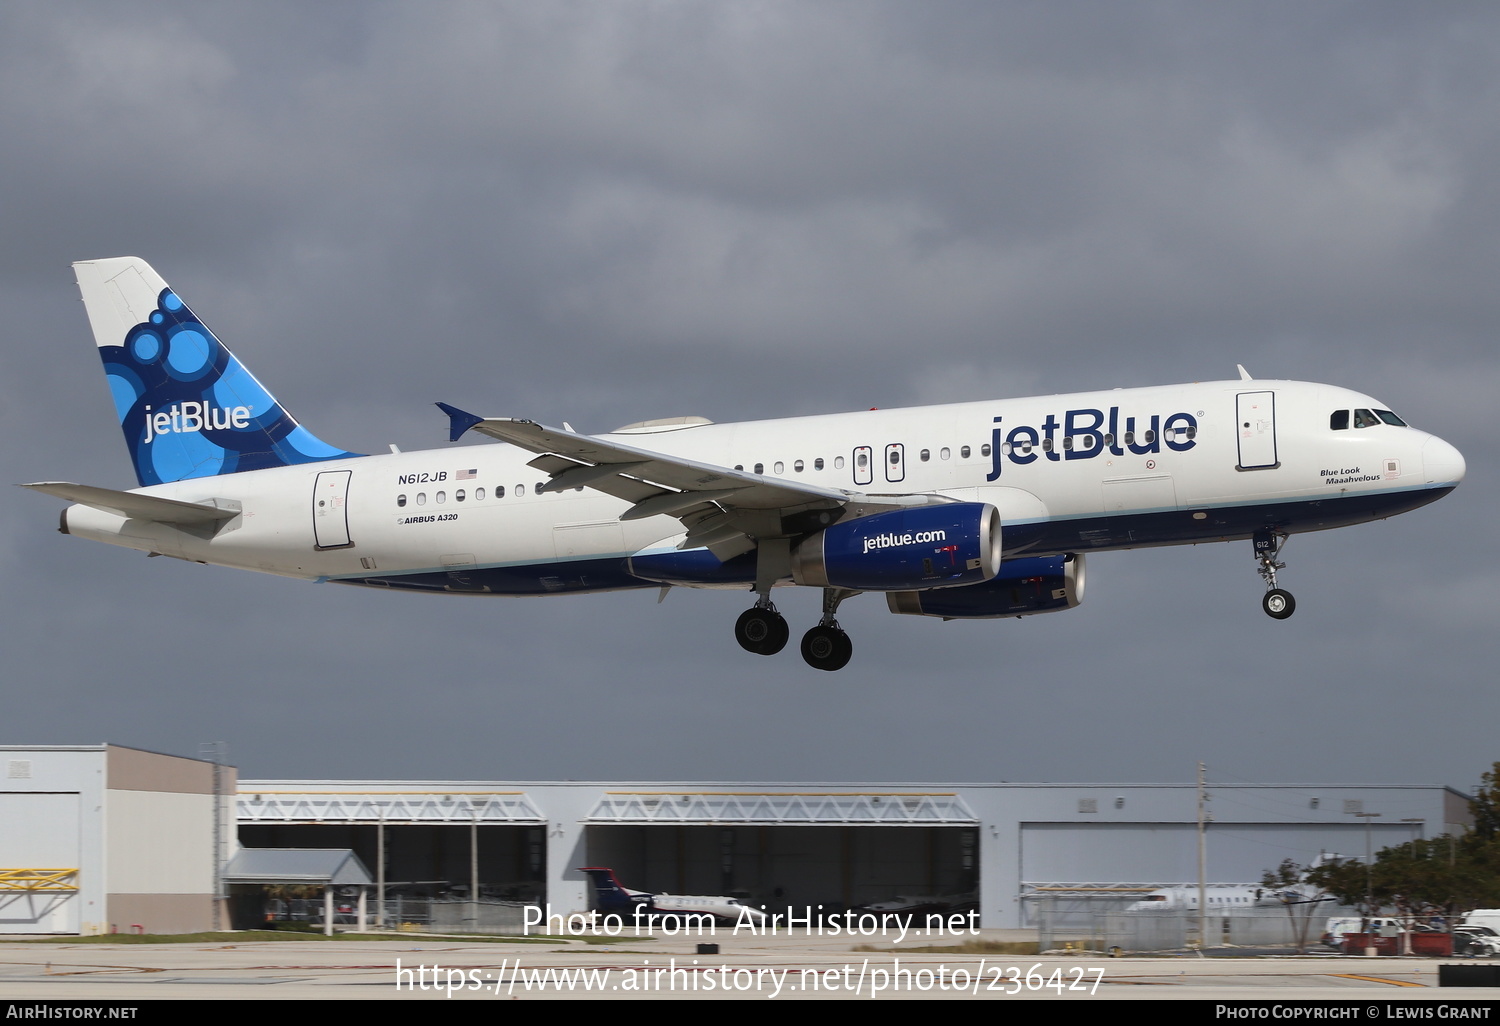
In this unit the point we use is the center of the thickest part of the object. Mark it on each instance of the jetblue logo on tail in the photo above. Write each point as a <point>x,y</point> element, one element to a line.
<point>195,417</point>
<point>190,409</point>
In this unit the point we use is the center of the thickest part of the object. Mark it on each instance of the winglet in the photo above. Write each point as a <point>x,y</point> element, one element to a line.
<point>458,421</point>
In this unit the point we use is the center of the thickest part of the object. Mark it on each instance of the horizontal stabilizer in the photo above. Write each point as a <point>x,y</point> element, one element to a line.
<point>133,505</point>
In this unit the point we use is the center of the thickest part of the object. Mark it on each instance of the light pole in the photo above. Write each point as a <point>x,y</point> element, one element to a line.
<point>1369,885</point>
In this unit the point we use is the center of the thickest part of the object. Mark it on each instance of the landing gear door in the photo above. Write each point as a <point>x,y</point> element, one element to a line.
<point>331,510</point>
<point>1255,428</point>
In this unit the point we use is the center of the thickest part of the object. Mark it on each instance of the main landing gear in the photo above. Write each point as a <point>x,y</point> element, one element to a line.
<point>1277,603</point>
<point>826,646</point>
<point>762,630</point>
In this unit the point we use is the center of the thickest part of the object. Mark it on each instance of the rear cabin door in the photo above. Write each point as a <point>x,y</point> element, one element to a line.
<point>1255,428</point>
<point>331,510</point>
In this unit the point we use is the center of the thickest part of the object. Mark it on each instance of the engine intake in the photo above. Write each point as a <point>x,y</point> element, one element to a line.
<point>923,547</point>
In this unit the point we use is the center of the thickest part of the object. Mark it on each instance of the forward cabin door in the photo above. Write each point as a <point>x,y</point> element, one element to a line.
<point>1255,428</point>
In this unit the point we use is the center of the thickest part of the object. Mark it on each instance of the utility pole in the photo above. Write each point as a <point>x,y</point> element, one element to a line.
<point>1369,885</point>
<point>1202,860</point>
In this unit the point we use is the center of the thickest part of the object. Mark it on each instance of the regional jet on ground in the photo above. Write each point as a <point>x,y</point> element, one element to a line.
<point>974,510</point>
<point>612,896</point>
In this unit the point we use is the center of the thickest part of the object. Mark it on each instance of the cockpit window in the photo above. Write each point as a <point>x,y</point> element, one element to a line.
<point>1339,421</point>
<point>1390,418</point>
<point>1364,419</point>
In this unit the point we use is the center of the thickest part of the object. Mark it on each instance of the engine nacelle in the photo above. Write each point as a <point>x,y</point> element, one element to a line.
<point>922,547</point>
<point>1024,587</point>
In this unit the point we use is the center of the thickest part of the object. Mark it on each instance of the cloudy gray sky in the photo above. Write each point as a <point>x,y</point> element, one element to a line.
<point>605,212</point>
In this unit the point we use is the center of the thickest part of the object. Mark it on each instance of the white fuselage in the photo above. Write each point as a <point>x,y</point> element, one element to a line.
<point>1196,467</point>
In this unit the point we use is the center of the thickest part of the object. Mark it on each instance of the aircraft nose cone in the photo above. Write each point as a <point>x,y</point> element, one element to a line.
<point>1442,463</point>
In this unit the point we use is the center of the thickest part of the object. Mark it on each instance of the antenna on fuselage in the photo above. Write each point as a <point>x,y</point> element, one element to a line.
<point>1244,374</point>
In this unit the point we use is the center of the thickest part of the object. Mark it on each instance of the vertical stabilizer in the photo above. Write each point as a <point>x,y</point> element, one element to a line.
<point>609,894</point>
<point>187,406</point>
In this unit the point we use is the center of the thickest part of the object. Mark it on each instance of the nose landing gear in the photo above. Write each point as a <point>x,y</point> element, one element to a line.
<point>1277,603</point>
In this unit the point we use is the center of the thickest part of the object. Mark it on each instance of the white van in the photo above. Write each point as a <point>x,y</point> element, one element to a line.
<point>1333,933</point>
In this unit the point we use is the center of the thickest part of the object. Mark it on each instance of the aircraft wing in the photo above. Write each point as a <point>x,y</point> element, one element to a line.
<point>722,509</point>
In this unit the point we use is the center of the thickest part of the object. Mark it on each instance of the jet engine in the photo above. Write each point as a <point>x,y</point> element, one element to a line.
<point>1023,587</point>
<point>922,547</point>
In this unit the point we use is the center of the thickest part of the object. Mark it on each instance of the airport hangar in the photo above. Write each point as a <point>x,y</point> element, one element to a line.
<point>137,833</point>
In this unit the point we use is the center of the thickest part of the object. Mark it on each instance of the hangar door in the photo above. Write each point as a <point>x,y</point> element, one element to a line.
<point>40,833</point>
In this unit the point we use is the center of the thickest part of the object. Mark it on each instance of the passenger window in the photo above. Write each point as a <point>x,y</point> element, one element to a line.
<point>1067,441</point>
<point>1109,440</point>
<point>401,500</point>
<point>818,463</point>
<point>797,466</point>
<point>1364,419</point>
<point>895,457</point>
<point>458,496</point>
<point>963,453</point>
<point>421,498</point>
<point>925,455</point>
<point>539,487</point>
<point>1130,438</point>
<point>945,452</point>
<point>1046,445</point>
<point>739,466</point>
<point>838,463</point>
<point>442,497</point>
<point>520,490</point>
<point>499,491</point>
<point>1150,436</point>
<point>984,450</point>
<point>1339,421</point>
<point>760,468</point>
<point>479,495</point>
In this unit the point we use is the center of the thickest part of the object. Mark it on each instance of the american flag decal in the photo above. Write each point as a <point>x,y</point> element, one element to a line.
<point>467,475</point>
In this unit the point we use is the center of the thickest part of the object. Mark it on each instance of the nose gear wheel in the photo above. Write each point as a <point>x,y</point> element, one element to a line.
<point>1277,602</point>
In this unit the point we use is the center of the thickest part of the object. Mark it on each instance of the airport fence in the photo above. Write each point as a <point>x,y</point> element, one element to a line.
<point>440,915</point>
<point>1062,922</point>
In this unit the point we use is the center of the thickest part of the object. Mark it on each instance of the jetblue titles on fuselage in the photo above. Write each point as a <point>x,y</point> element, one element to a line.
<point>1087,433</point>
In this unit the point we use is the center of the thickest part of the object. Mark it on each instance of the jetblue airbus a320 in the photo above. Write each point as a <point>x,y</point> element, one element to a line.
<point>966,511</point>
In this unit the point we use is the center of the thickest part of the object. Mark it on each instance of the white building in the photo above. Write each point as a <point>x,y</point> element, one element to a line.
<point>101,838</point>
